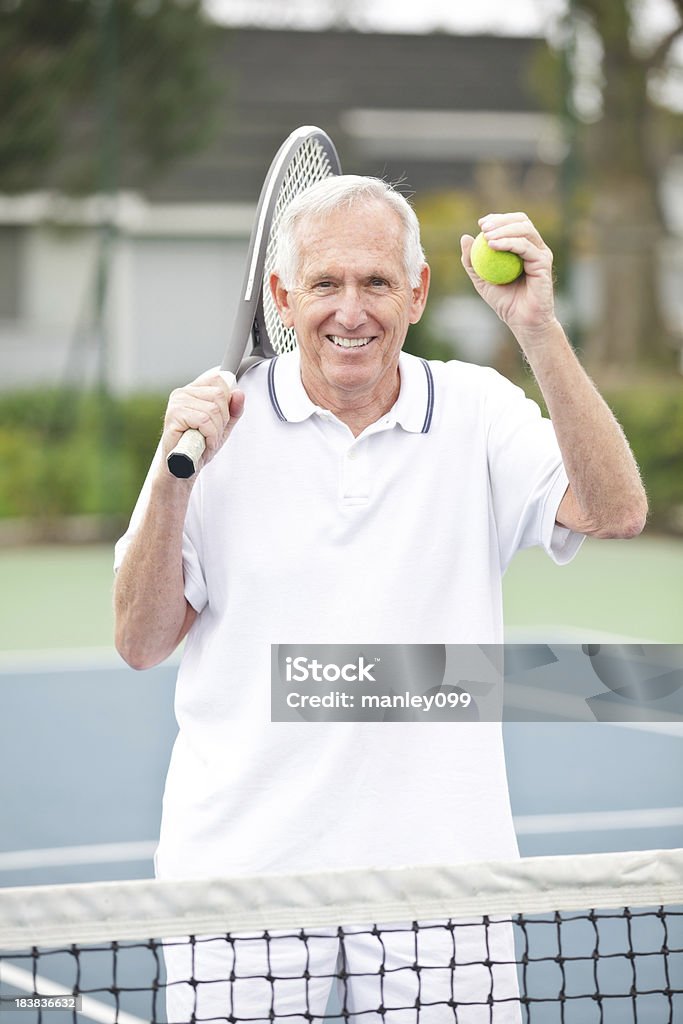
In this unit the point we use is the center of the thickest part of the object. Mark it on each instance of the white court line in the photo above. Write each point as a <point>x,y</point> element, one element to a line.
<point>65,659</point>
<point>598,821</point>
<point>65,856</point>
<point>663,728</point>
<point>91,1008</point>
<point>58,659</point>
<point>525,824</point>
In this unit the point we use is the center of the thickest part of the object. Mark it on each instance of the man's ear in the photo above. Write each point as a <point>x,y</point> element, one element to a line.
<point>419,300</point>
<point>281,299</point>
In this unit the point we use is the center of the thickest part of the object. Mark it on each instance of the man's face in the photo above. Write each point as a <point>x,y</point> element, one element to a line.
<point>351,303</point>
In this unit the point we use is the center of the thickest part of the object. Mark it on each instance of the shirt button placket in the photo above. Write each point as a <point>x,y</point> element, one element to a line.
<point>354,474</point>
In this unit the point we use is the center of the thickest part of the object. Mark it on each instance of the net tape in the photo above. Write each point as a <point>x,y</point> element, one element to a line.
<point>436,947</point>
<point>309,165</point>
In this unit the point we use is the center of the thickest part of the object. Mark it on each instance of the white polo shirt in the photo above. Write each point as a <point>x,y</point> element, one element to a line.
<point>299,533</point>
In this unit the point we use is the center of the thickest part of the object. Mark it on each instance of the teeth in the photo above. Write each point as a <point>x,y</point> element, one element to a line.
<point>349,342</point>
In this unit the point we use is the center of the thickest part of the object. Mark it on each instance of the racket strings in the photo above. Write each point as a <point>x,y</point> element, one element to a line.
<point>309,164</point>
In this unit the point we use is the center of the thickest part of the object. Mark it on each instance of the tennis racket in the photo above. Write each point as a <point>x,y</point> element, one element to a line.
<point>305,157</point>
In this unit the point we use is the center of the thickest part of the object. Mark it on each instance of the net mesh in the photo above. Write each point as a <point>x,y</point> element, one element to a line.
<point>310,163</point>
<point>432,945</point>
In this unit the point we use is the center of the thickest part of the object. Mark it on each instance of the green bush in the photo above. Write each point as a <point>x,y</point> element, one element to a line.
<point>68,454</point>
<point>651,414</point>
<point>74,454</point>
<point>652,418</point>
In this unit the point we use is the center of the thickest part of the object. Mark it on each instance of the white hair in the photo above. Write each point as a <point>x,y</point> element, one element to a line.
<point>339,192</point>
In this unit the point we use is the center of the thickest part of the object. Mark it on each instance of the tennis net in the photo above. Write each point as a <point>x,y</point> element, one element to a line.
<point>576,940</point>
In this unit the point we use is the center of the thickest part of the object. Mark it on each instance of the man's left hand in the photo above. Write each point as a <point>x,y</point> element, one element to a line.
<point>527,304</point>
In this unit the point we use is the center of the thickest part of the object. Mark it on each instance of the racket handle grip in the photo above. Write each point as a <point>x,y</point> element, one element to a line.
<point>183,461</point>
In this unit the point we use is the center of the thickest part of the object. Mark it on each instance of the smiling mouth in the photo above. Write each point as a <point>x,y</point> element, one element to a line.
<point>349,342</point>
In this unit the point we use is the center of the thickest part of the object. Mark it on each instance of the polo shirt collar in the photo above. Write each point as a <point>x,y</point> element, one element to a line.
<point>413,408</point>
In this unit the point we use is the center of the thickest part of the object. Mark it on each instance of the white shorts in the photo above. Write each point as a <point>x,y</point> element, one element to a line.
<point>394,975</point>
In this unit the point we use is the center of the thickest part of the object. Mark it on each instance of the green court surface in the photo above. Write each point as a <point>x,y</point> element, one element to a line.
<point>60,596</point>
<point>628,588</point>
<point>56,597</point>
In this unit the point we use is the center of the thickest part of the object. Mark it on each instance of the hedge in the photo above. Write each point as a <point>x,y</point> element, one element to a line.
<point>86,454</point>
<point>652,418</point>
<point>70,454</point>
<point>651,414</point>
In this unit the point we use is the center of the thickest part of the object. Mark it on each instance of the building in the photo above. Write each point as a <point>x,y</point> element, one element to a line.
<point>414,108</point>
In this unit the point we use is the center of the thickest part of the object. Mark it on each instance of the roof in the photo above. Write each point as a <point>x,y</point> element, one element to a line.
<point>421,108</point>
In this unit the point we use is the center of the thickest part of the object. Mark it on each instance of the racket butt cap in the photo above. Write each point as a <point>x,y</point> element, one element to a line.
<point>185,457</point>
<point>181,465</point>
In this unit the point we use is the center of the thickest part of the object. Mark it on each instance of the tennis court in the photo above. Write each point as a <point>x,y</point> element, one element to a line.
<point>619,588</point>
<point>135,136</point>
<point>86,740</point>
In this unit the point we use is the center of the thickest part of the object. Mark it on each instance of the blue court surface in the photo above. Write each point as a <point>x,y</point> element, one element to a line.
<point>86,742</point>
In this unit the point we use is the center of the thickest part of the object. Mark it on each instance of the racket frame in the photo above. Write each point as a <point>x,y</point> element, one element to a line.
<point>249,329</point>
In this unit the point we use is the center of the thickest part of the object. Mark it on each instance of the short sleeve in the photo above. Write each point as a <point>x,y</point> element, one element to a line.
<point>527,476</point>
<point>195,583</point>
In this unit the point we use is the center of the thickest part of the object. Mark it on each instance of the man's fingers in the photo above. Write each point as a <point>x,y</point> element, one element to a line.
<point>197,408</point>
<point>206,405</point>
<point>512,230</point>
<point>490,220</point>
<point>193,417</point>
<point>515,232</point>
<point>236,405</point>
<point>209,396</point>
<point>466,243</point>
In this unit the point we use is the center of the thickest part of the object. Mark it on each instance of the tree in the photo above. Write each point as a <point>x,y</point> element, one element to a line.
<point>620,158</point>
<point>131,76</point>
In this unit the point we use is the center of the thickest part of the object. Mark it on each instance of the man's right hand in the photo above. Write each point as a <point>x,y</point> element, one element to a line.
<point>207,405</point>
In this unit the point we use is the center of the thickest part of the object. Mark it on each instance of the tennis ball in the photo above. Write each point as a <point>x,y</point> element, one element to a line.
<point>494,266</point>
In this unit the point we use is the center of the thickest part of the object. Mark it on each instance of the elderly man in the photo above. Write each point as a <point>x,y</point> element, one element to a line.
<point>352,493</point>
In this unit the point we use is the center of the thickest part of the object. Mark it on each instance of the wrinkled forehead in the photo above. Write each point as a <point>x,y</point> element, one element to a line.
<point>367,216</point>
<point>357,243</point>
<point>363,211</point>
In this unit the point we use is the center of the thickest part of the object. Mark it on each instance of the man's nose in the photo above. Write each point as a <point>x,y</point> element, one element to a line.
<point>351,310</point>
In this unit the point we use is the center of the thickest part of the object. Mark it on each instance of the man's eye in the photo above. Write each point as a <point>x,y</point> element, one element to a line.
<point>378,282</point>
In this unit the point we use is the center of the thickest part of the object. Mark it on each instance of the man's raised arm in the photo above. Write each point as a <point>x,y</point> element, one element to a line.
<point>605,497</point>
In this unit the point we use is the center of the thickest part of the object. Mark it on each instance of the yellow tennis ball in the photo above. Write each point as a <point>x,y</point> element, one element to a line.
<point>494,266</point>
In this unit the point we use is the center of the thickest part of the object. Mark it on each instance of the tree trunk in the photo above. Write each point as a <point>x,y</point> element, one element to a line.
<point>622,173</point>
<point>630,328</point>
